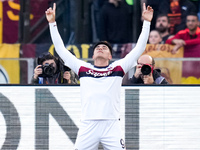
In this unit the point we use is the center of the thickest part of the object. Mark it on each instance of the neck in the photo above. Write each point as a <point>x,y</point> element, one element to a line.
<point>191,32</point>
<point>164,34</point>
<point>101,62</point>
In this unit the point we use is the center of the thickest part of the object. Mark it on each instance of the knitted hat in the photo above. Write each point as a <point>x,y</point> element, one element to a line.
<point>105,43</point>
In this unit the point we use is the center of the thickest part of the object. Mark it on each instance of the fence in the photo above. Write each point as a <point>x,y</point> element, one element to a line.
<point>175,70</point>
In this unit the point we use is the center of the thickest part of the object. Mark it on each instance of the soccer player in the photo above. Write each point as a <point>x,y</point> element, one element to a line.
<point>100,86</point>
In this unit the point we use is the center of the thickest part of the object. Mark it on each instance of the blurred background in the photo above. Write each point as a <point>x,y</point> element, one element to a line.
<point>23,21</point>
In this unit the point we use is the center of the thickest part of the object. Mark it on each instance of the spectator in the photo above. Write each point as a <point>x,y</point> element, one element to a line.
<point>154,37</point>
<point>49,71</point>
<point>189,36</point>
<point>163,25</point>
<point>154,76</point>
<point>177,10</point>
<point>69,77</point>
<point>115,22</point>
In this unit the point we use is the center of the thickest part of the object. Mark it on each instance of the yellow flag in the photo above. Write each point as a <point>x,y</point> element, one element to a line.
<point>171,70</point>
<point>1,21</point>
<point>9,68</point>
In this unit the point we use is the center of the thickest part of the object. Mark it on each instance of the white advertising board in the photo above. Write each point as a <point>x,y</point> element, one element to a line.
<point>47,117</point>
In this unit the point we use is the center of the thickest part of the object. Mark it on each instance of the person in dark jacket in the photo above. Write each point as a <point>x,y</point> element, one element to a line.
<point>51,70</point>
<point>115,22</point>
<point>163,25</point>
<point>47,71</point>
<point>140,76</point>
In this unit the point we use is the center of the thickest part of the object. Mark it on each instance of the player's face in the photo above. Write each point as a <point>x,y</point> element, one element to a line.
<point>192,22</point>
<point>102,51</point>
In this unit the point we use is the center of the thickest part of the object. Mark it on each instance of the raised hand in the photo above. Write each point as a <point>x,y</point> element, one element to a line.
<point>147,13</point>
<point>51,13</point>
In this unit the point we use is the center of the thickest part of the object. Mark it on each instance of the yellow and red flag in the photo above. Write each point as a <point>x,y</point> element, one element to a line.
<point>9,66</point>
<point>171,70</point>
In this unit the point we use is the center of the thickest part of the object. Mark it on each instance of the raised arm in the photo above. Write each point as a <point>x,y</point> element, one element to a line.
<point>69,59</point>
<point>147,16</point>
<point>51,14</point>
<point>131,59</point>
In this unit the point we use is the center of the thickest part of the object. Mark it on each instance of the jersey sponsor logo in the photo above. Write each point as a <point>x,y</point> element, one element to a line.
<point>98,74</point>
<point>87,72</point>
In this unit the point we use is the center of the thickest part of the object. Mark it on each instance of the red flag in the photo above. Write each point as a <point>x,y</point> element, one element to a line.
<point>9,21</point>
<point>9,18</point>
<point>190,70</point>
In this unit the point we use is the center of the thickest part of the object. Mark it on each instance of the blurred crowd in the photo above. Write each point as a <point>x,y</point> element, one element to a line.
<point>175,22</point>
<point>113,20</point>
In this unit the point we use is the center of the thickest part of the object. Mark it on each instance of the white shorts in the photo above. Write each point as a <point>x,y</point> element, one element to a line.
<point>91,133</point>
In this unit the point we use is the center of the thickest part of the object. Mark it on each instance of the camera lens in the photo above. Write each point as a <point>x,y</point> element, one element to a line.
<point>146,69</point>
<point>48,70</point>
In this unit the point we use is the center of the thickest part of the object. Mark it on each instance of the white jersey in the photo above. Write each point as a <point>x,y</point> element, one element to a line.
<point>100,86</point>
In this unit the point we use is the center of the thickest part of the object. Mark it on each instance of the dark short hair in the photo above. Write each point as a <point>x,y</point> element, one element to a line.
<point>163,15</point>
<point>46,56</point>
<point>192,14</point>
<point>105,43</point>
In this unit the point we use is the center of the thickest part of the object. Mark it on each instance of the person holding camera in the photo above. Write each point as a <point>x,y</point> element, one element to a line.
<point>69,77</point>
<point>51,70</point>
<point>47,71</point>
<point>145,72</point>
